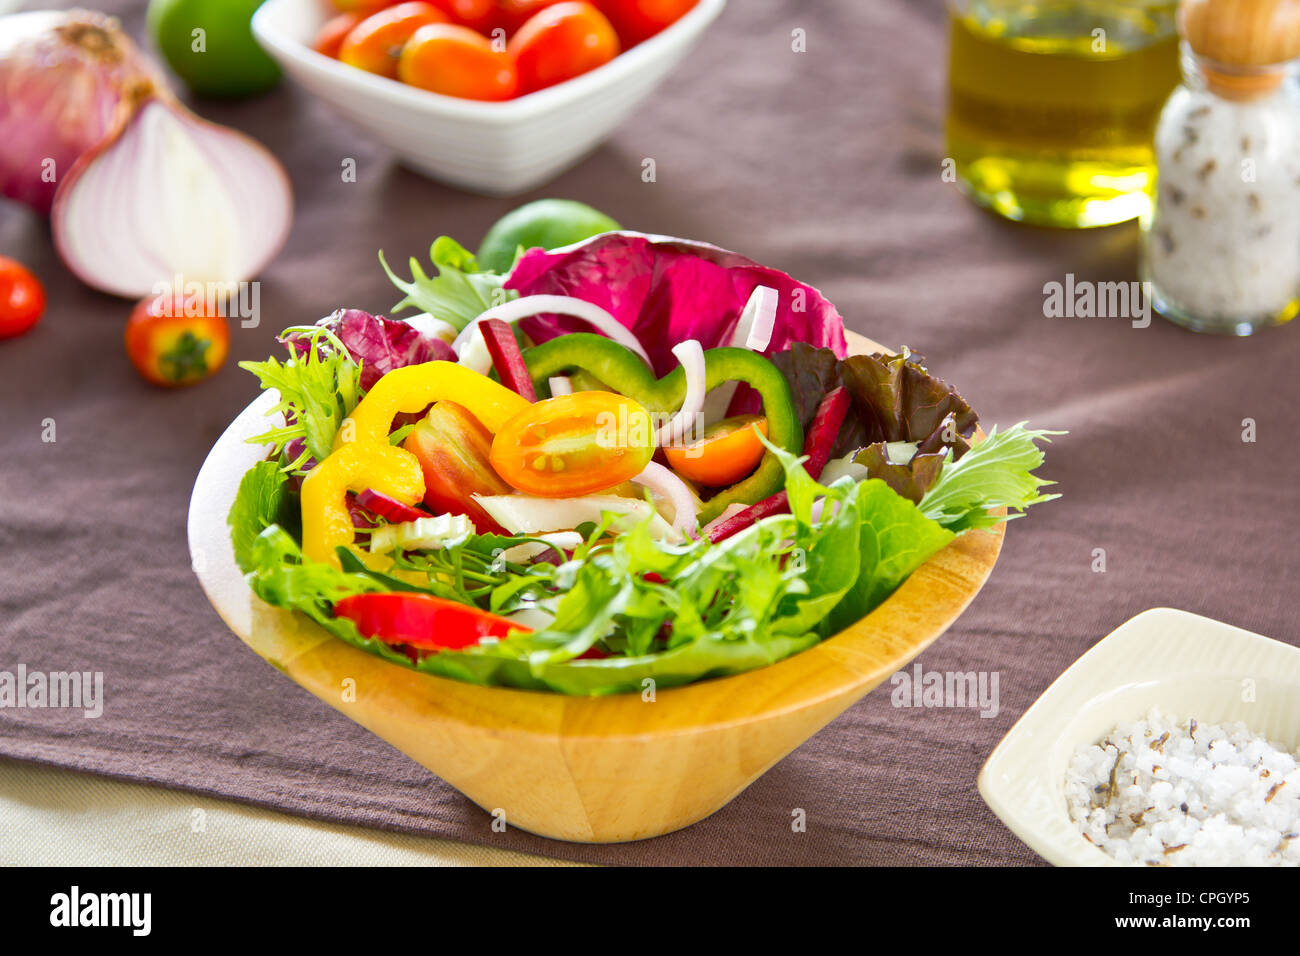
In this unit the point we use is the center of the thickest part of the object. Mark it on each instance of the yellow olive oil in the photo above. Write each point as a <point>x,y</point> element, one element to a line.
<point>1053,106</point>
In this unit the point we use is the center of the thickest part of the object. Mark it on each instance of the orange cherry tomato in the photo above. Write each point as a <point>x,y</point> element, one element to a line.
<point>334,32</point>
<point>639,20</point>
<point>22,298</point>
<point>174,341</point>
<point>729,451</point>
<point>456,61</point>
<point>560,42</point>
<point>574,445</point>
<point>375,44</point>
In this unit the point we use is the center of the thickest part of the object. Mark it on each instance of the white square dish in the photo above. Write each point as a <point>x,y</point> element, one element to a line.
<point>497,148</point>
<point>1182,663</point>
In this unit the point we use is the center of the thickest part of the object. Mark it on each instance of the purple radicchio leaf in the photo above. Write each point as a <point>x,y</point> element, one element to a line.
<point>377,344</point>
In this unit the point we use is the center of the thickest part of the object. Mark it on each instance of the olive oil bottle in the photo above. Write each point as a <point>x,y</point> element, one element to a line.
<point>1053,105</point>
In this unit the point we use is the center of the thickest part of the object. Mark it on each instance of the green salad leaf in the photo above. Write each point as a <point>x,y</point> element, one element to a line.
<point>459,291</point>
<point>995,473</point>
<point>262,500</point>
<point>318,389</point>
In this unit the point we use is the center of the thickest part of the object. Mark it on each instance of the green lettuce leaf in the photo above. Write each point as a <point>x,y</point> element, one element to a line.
<point>995,473</point>
<point>317,389</point>
<point>262,500</point>
<point>459,291</point>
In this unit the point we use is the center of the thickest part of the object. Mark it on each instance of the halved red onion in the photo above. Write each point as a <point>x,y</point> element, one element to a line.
<point>663,483</point>
<point>691,354</point>
<point>171,195</point>
<point>471,353</point>
<point>67,79</point>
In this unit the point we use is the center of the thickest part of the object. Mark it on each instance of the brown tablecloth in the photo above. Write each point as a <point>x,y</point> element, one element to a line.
<point>825,164</point>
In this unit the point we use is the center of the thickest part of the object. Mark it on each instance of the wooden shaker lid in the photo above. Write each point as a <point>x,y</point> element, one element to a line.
<point>1249,35</point>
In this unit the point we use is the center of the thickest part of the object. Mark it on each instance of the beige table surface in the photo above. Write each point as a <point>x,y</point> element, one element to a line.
<point>55,817</point>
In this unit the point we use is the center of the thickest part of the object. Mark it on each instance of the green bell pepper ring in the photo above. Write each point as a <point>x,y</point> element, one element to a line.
<point>623,371</point>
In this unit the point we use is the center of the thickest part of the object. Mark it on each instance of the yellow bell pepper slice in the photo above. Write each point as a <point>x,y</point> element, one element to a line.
<point>413,388</point>
<point>356,466</point>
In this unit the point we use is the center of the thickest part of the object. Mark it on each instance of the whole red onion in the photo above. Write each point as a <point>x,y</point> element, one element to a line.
<point>67,79</point>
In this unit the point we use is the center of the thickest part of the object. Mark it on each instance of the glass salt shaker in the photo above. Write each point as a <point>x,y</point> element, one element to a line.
<point>1221,247</point>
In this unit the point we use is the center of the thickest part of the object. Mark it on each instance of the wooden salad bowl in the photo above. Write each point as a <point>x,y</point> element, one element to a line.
<point>586,769</point>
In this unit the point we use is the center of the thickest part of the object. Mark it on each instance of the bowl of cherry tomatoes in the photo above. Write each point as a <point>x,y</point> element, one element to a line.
<point>496,96</point>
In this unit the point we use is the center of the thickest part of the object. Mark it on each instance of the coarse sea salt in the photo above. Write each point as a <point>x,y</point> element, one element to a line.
<point>1170,792</point>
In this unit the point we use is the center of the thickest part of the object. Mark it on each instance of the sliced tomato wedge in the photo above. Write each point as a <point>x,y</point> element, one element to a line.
<point>574,445</point>
<point>422,620</point>
<point>453,448</point>
<point>728,451</point>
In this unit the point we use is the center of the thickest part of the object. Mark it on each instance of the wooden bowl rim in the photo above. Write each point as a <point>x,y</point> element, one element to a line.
<point>850,662</point>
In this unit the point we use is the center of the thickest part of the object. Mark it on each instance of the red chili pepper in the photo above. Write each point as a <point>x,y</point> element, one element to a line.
<point>506,358</point>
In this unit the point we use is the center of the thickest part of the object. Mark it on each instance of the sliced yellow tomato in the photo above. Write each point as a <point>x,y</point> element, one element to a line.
<point>574,444</point>
<point>728,451</point>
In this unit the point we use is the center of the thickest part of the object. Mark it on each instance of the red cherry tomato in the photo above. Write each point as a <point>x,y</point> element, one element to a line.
<point>334,32</point>
<point>515,13</point>
<point>456,61</point>
<point>560,42</point>
<point>22,298</point>
<point>375,44</point>
<point>454,451</point>
<point>363,7</point>
<point>169,344</point>
<point>422,620</point>
<point>639,20</point>
<point>481,15</point>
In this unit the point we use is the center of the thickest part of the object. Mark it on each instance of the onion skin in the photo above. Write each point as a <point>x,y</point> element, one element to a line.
<point>67,81</point>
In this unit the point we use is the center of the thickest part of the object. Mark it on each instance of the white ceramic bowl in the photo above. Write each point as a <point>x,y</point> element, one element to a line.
<point>1184,664</point>
<point>496,148</point>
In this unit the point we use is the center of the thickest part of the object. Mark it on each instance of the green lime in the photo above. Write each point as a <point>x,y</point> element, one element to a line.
<point>549,223</point>
<point>210,45</point>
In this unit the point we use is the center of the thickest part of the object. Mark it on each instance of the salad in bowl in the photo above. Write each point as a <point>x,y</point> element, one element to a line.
<point>632,460</point>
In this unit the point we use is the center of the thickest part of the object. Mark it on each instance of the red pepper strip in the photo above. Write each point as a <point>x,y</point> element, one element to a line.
<point>822,433</point>
<point>422,620</point>
<point>506,358</point>
<point>390,508</point>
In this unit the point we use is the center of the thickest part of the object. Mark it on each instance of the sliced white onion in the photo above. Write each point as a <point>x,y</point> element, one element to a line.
<point>530,305</point>
<point>900,452</point>
<point>564,540</point>
<point>762,303</point>
<point>532,617</point>
<point>754,332</point>
<point>560,385</point>
<point>427,325</point>
<point>663,483</point>
<point>524,514</point>
<point>691,354</point>
<point>429,534</point>
<point>169,196</point>
<point>837,468</point>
